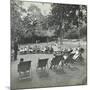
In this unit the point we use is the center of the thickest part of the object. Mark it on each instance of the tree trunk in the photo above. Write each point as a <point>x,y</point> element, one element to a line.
<point>61,34</point>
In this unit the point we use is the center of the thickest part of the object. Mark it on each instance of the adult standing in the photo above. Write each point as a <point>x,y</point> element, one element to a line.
<point>15,50</point>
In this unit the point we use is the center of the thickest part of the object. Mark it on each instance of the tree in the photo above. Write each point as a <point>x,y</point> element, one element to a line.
<point>64,15</point>
<point>17,27</point>
<point>32,22</point>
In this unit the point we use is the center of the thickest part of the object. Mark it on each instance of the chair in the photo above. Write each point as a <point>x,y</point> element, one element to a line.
<point>80,59</point>
<point>24,69</point>
<point>56,60</point>
<point>70,59</point>
<point>42,63</point>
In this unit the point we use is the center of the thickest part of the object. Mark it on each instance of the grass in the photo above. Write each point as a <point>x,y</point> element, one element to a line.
<point>74,76</point>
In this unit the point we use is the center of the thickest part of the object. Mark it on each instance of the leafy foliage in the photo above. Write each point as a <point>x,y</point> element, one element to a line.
<point>65,20</point>
<point>66,17</point>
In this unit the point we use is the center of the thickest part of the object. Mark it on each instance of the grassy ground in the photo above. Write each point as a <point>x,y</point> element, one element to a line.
<point>70,76</point>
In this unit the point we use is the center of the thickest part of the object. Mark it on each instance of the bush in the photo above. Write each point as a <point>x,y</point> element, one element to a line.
<point>72,35</point>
